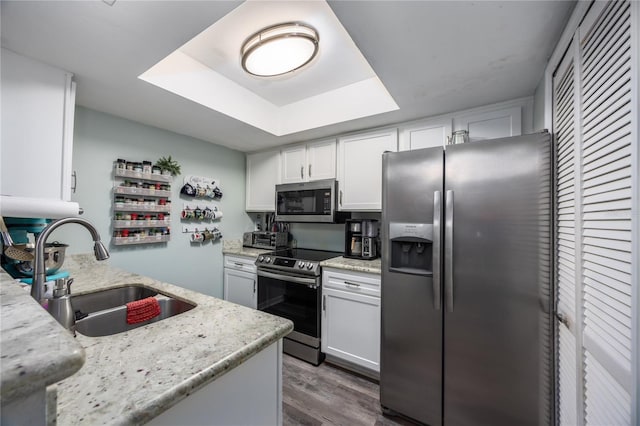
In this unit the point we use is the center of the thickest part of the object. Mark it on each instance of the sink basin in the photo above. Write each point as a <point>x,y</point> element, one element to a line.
<point>106,310</point>
<point>111,298</point>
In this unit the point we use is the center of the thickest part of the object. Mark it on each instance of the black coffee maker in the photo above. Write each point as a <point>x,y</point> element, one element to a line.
<point>361,239</point>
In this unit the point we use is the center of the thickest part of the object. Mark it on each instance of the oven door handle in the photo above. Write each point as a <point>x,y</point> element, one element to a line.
<point>311,282</point>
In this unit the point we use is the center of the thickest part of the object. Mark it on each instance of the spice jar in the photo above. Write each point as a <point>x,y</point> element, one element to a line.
<point>121,164</point>
<point>146,167</point>
<point>156,170</point>
<point>137,167</point>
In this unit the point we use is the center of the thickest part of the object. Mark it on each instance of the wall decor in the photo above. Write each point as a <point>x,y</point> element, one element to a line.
<point>141,204</point>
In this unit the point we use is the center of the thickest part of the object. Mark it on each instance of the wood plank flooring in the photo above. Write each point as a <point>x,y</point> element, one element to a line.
<point>328,395</point>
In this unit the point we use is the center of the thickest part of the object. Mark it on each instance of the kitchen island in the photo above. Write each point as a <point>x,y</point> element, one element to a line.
<point>147,374</point>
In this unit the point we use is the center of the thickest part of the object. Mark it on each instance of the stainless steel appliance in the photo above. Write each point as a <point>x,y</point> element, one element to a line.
<point>466,289</point>
<point>308,202</point>
<point>361,239</point>
<point>289,285</point>
<point>265,239</point>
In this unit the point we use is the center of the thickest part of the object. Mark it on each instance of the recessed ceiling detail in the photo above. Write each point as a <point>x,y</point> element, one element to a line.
<point>337,85</point>
<point>279,49</point>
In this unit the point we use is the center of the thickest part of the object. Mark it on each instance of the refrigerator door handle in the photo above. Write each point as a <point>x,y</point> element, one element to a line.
<point>437,247</point>
<point>448,250</point>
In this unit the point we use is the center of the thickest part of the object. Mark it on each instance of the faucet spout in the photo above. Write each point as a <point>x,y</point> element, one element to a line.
<point>39,270</point>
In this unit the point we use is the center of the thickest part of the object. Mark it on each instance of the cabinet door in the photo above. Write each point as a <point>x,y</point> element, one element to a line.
<point>294,164</point>
<point>37,129</point>
<point>241,288</point>
<point>360,169</point>
<point>321,160</point>
<point>426,134</point>
<point>351,327</point>
<point>491,124</point>
<point>263,173</point>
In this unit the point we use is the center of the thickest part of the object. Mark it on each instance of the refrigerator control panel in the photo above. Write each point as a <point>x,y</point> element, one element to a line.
<point>422,231</point>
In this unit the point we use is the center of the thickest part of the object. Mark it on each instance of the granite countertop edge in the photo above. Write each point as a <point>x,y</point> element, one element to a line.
<point>28,331</point>
<point>174,395</point>
<point>356,265</point>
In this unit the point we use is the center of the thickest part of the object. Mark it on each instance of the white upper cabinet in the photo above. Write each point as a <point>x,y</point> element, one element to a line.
<point>360,169</point>
<point>307,162</point>
<point>499,123</point>
<point>38,104</point>
<point>425,134</point>
<point>263,174</point>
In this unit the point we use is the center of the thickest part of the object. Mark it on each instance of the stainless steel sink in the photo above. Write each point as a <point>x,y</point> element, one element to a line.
<point>107,310</point>
<point>111,298</point>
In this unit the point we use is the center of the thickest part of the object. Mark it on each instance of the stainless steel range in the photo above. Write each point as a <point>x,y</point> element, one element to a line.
<point>289,285</point>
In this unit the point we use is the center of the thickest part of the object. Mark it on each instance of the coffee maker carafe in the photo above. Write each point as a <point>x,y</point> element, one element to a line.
<point>361,239</point>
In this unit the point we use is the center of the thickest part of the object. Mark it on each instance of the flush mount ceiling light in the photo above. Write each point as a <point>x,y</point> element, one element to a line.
<point>279,49</point>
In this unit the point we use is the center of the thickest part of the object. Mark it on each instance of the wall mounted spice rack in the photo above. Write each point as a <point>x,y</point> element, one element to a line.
<point>141,204</point>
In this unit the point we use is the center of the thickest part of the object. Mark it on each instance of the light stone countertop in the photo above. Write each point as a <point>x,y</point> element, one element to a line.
<point>235,247</point>
<point>35,351</point>
<point>356,265</point>
<point>131,377</point>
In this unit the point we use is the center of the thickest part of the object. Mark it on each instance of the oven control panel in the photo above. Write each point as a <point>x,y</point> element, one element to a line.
<point>294,265</point>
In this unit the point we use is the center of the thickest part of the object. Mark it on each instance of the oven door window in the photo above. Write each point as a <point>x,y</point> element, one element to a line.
<point>307,202</point>
<point>296,302</point>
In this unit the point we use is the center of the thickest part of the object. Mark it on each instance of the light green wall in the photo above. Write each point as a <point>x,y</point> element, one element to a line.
<point>99,139</point>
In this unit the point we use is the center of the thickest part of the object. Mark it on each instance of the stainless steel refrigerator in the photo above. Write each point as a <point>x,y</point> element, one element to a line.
<point>466,283</point>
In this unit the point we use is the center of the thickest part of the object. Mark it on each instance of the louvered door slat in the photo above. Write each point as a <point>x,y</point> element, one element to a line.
<point>609,404</point>
<point>603,251</point>
<point>593,44</point>
<point>566,377</point>
<point>616,185</point>
<point>602,179</point>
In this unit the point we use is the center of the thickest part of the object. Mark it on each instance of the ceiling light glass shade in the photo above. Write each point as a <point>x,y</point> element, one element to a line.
<point>279,49</point>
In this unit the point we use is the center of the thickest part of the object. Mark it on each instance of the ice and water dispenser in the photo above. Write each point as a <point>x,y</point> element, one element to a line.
<point>411,248</point>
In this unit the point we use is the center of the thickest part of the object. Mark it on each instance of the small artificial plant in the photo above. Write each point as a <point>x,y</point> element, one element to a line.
<point>167,163</point>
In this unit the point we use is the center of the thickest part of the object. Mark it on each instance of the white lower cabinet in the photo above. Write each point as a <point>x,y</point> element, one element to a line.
<point>240,281</point>
<point>351,318</point>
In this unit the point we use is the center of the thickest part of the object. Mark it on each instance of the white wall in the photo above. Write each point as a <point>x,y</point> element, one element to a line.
<point>538,106</point>
<point>99,139</point>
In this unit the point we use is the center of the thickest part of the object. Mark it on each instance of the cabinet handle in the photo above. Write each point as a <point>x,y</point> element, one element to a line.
<point>341,197</point>
<point>74,175</point>
<point>324,303</point>
<point>254,286</point>
<point>350,284</point>
<point>239,264</point>
<point>301,172</point>
<point>309,170</point>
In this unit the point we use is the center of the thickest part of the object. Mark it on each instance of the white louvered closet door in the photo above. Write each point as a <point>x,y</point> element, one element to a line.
<point>565,107</point>
<point>606,183</point>
<point>595,126</point>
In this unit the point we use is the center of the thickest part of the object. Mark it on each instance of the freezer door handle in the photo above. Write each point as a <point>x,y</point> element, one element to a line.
<point>448,250</point>
<point>437,246</point>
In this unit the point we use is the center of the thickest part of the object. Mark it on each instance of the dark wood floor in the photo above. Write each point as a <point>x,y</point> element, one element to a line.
<point>328,395</point>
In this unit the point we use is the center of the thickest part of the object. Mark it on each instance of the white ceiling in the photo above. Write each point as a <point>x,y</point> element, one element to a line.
<point>433,57</point>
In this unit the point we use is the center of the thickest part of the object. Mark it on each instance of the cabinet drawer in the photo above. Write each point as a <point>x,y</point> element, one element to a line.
<point>240,263</point>
<point>360,283</point>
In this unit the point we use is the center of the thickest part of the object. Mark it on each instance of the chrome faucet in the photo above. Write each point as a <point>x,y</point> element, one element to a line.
<point>39,270</point>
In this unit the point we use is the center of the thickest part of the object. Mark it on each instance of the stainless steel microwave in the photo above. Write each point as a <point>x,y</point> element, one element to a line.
<point>309,202</point>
